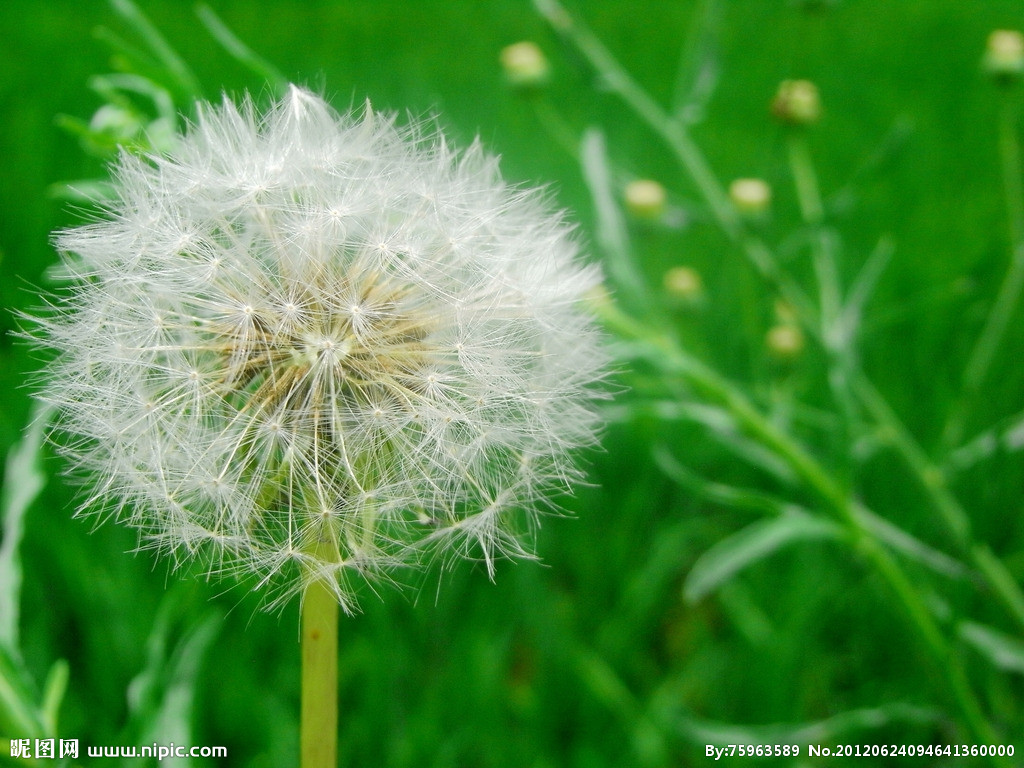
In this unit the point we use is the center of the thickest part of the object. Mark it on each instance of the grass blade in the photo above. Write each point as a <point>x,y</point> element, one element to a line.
<point>1004,651</point>
<point>824,731</point>
<point>910,546</point>
<point>611,226</point>
<point>750,545</point>
<point>168,57</point>
<point>240,51</point>
<point>23,480</point>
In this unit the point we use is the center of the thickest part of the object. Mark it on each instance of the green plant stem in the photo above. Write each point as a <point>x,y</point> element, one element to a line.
<point>704,380</point>
<point>319,712</point>
<point>833,332</point>
<point>686,151</point>
<point>708,383</point>
<point>931,478</point>
<point>183,77</point>
<point>1008,297</point>
<point>952,514</point>
<point>240,51</point>
<point>847,378</point>
<point>812,211</point>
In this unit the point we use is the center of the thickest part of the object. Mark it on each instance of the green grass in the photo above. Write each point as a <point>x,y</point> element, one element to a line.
<point>596,658</point>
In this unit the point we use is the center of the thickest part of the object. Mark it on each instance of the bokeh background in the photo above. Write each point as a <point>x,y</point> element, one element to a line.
<point>594,657</point>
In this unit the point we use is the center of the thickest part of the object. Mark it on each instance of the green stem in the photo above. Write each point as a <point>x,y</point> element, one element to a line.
<point>556,126</point>
<point>319,724</point>
<point>844,368</point>
<point>955,518</point>
<point>682,146</point>
<point>852,379</point>
<point>812,211</point>
<point>707,382</point>
<point>241,52</point>
<point>946,665</point>
<point>1007,299</point>
<point>184,79</point>
<point>930,477</point>
<point>835,337</point>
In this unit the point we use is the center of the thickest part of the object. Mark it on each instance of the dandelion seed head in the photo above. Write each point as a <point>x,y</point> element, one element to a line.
<point>308,345</point>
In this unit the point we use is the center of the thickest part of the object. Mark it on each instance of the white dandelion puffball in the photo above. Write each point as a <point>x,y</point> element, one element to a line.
<point>306,345</point>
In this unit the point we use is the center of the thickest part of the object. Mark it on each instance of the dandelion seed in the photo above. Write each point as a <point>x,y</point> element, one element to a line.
<point>300,335</point>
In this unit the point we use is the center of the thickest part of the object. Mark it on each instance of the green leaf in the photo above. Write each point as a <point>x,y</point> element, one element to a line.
<point>23,480</point>
<point>606,686</point>
<point>611,226</point>
<point>699,66</point>
<point>824,731</point>
<point>1004,651</point>
<point>53,694</point>
<point>745,614</point>
<point>18,715</point>
<point>909,546</point>
<point>175,66</point>
<point>722,425</point>
<point>160,697</point>
<point>721,493</point>
<point>1007,435</point>
<point>114,89</point>
<point>746,498</point>
<point>240,51</point>
<point>752,544</point>
<point>862,288</point>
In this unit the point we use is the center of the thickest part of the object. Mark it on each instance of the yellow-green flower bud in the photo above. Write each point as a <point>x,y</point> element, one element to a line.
<point>525,65</point>
<point>797,103</point>
<point>1004,55</point>
<point>645,199</point>
<point>684,283</point>
<point>752,197</point>
<point>785,342</point>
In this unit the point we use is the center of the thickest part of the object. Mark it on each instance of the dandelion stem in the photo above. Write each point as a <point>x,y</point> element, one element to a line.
<point>319,726</point>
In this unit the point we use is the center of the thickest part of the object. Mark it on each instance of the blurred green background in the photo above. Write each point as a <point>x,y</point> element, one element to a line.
<point>593,658</point>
